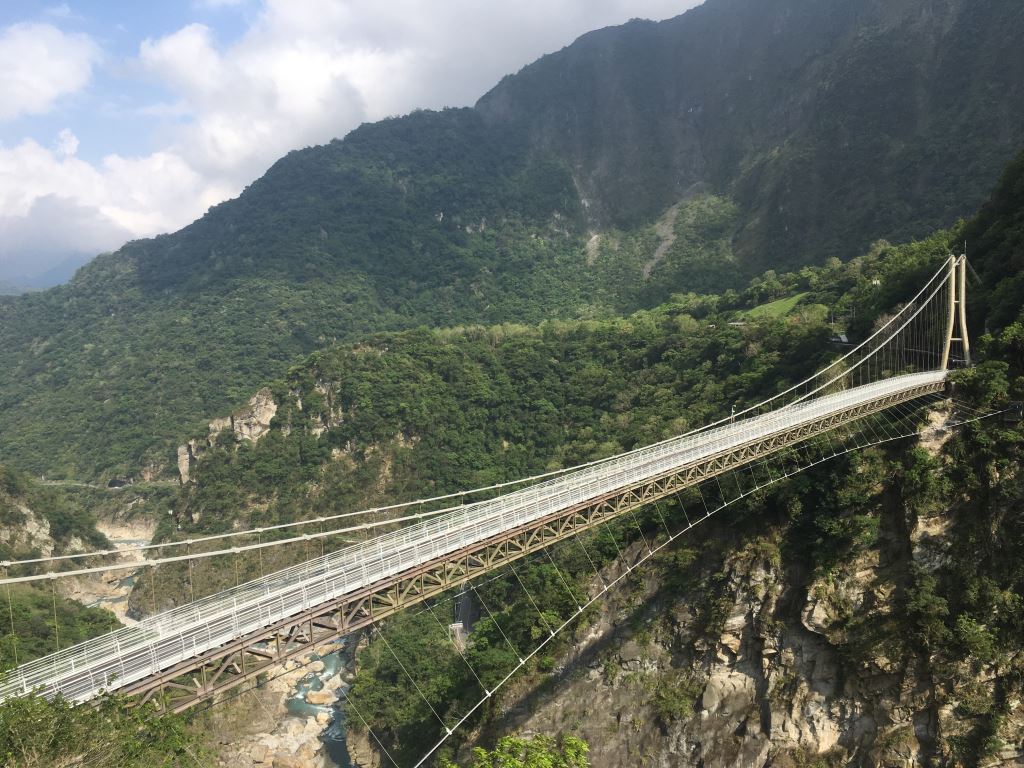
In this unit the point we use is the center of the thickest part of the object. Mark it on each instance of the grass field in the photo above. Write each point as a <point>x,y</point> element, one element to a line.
<point>779,308</point>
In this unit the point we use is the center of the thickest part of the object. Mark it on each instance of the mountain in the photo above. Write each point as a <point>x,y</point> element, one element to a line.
<point>640,161</point>
<point>831,122</point>
<point>430,219</point>
<point>61,272</point>
<point>10,289</point>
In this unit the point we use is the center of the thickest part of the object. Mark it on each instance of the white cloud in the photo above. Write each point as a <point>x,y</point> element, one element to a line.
<point>29,171</point>
<point>54,204</point>
<point>253,102</point>
<point>67,143</point>
<point>54,230</point>
<point>40,64</point>
<point>301,74</point>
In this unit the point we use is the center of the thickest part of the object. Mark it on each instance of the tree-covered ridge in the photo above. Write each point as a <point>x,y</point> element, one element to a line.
<point>447,410</point>
<point>414,221</point>
<point>105,374</point>
<point>396,199</point>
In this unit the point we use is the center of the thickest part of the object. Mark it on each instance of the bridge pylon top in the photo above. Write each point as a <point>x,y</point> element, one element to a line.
<point>956,326</point>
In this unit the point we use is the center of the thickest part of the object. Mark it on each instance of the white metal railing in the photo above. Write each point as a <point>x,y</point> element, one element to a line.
<point>165,639</point>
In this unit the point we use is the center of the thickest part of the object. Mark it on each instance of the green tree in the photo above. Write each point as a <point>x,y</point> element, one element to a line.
<point>536,752</point>
<point>39,733</point>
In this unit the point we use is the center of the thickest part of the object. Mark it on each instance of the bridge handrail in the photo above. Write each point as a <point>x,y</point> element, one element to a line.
<point>327,577</point>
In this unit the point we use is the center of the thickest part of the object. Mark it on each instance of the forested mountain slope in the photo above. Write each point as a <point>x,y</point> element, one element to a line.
<point>831,123</point>
<point>795,130</point>
<point>424,220</point>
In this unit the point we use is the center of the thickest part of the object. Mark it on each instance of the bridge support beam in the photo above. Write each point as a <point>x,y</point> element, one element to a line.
<point>956,325</point>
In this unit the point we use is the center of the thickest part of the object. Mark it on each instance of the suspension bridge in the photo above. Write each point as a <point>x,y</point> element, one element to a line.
<point>197,651</point>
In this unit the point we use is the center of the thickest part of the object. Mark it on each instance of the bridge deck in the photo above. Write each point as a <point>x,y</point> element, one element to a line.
<point>161,641</point>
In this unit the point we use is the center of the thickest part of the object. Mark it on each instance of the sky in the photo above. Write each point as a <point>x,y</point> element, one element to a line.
<point>121,120</point>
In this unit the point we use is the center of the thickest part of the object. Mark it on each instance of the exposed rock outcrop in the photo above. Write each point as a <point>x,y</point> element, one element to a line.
<point>250,422</point>
<point>258,732</point>
<point>185,459</point>
<point>31,533</point>
<point>362,751</point>
<point>253,421</point>
<point>753,690</point>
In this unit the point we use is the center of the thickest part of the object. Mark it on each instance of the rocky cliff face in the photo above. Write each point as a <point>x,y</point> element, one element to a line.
<point>250,422</point>
<point>767,688</point>
<point>26,531</point>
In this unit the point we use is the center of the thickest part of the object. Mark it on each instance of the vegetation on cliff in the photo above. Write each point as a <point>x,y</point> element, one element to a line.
<point>536,752</point>
<point>36,733</point>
